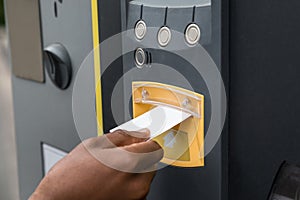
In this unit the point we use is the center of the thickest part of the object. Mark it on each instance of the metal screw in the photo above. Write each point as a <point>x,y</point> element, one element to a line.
<point>186,102</point>
<point>145,94</point>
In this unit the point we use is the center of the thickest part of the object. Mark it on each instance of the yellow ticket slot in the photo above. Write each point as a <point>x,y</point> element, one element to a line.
<point>183,144</point>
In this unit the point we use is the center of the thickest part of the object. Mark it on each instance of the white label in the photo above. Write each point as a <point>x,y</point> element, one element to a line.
<point>51,157</point>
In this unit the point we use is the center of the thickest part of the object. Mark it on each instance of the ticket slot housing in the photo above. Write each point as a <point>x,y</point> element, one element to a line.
<point>183,144</point>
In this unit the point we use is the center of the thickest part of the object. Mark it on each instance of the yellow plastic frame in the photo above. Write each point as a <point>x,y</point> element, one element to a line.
<point>163,94</point>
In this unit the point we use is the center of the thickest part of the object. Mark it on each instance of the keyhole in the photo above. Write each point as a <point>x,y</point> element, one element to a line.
<point>55,9</point>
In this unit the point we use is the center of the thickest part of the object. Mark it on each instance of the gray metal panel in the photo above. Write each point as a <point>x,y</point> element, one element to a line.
<point>25,38</point>
<point>43,113</point>
<point>171,182</point>
<point>264,89</point>
<point>174,3</point>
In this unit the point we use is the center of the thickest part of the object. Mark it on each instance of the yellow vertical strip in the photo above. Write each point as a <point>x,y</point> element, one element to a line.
<point>97,68</point>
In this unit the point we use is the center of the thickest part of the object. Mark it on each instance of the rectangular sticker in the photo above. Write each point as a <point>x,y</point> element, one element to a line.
<point>51,156</point>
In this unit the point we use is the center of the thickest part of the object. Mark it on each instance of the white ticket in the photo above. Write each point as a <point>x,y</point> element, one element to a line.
<point>158,120</point>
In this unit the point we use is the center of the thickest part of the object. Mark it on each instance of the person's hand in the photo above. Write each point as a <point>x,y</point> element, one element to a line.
<point>84,173</point>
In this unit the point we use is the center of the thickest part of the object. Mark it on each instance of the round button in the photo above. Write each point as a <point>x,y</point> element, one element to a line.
<point>164,36</point>
<point>140,29</point>
<point>140,57</point>
<point>192,34</point>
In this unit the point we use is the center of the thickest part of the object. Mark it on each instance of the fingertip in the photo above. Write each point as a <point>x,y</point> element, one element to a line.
<point>123,137</point>
<point>158,148</point>
<point>141,134</point>
<point>154,147</point>
<point>155,144</point>
<point>145,131</point>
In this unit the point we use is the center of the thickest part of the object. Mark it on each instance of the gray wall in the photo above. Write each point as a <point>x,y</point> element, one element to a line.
<point>8,164</point>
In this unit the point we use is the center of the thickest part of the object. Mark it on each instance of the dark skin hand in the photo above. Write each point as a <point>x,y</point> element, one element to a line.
<point>81,176</point>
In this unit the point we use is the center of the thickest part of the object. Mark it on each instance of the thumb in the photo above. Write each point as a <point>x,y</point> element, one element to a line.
<point>121,138</point>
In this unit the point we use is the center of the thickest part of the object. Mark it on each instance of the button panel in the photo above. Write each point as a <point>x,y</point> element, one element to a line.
<point>194,22</point>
